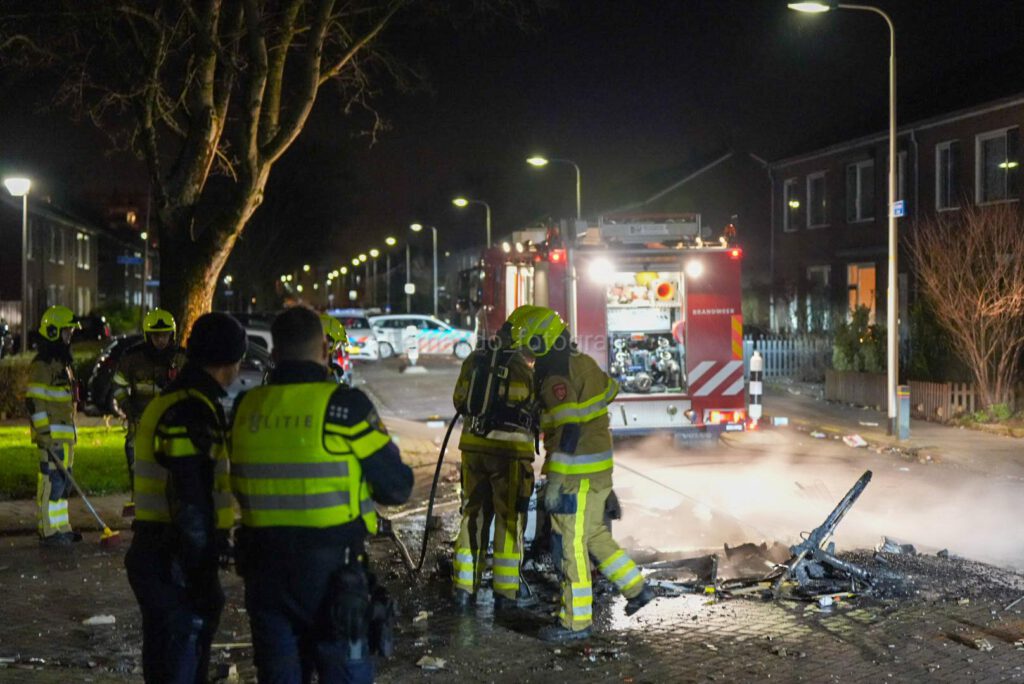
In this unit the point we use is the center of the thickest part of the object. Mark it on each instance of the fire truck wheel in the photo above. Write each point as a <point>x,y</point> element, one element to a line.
<point>462,350</point>
<point>385,350</point>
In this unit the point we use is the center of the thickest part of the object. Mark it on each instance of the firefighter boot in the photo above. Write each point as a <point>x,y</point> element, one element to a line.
<point>463,601</point>
<point>639,601</point>
<point>558,633</point>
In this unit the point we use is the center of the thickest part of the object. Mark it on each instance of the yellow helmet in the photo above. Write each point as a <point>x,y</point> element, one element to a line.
<point>536,328</point>
<point>55,319</point>
<point>334,331</point>
<point>159,321</point>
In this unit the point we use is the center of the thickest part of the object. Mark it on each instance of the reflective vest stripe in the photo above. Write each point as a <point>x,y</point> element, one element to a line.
<point>37,390</point>
<point>62,432</point>
<point>41,420</point>
<point>290,470</point>
<point>581,412</point>
<point>177,447</point>
<point>582,464</point>
<point>294,502</point>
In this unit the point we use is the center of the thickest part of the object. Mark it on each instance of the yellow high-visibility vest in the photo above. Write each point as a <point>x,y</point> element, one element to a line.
<point>172,441</point>
<point>290,467</point>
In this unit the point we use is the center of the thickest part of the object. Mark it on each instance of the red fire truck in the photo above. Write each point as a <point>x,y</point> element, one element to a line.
<point>654,300</point>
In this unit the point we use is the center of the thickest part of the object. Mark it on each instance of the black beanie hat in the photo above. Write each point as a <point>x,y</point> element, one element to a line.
<point>217,339</point>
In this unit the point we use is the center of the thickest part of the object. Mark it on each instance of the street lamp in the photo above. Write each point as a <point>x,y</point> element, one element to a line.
<point>390,242</point>
<point>19,187</point>
<point>463,202</point>
<point>540,162</point>
<point>417,227</point>
<point>891,317</point>
<point>374,253</point>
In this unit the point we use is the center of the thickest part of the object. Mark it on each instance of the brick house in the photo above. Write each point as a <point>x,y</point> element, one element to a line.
<point>829,223</point>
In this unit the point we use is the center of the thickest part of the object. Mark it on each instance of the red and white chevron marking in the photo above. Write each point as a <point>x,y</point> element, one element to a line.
<point>723,378</point>
<point>435,343</point>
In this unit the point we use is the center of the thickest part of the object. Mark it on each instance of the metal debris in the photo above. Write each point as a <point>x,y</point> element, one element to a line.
<point>888,545</point>
<point>1013,603</point>
<point>97,620</point>
<point>431,663</point>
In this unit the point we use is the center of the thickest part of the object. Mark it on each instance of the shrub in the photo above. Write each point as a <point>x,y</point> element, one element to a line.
<point>859,346</point>
<point>13,381</point>
<point>120,317</point>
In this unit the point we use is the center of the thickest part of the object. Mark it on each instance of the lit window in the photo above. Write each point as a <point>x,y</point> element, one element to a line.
<point>996,165</point>
<point>792,207</point>
<point>860,285</point>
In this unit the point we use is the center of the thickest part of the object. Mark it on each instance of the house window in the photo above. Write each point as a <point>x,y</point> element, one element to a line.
<point>83,257</point>
<point>860,286</point>
<point>61,245</point>
<point>792,207</point>
<point>51,295</point>
<point>818,310</point>
<point>83,300</point>
<point>51,254</point>
<point>996,164</point>
<point>860,191</point>
<point>817,206</point>
<point>947,174</point>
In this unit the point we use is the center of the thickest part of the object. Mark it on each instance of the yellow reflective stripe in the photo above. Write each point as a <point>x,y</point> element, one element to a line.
<point>464,572</point>
<point>477,443</point>
<point>177,447</point>
<point>336,444</point>
<point>370,444</point>
<point>36,390</point>
<point>119,379</point>
<point>582,464</point>
<point>172,430</point>
<point>579,537</point>
<point>40,420</point>
<point>347,431</point>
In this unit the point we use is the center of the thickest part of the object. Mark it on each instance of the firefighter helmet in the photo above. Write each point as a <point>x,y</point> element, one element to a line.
<point>536,328</point>
<point>159,321</point>
<point>55,319</point>
<point>334,331</point>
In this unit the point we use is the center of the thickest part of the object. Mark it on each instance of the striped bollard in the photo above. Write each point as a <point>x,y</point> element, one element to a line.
<point>756,387</point>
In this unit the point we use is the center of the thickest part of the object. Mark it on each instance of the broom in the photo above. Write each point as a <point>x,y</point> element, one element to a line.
<point>109,537</point>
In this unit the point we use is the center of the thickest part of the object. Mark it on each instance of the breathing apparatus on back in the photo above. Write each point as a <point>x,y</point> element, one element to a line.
<point>492,403</point>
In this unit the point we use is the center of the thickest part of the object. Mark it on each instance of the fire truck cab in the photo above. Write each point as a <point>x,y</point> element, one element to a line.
<point>654,301</point>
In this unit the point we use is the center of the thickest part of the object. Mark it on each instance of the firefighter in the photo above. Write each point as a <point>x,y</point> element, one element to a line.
<point>309,459</point>
<point>575,394</point>
<point>497,479</point>
<point>183,513</point>
<point>51,400</point>
<point>145,369</point>
<point>336,338</point>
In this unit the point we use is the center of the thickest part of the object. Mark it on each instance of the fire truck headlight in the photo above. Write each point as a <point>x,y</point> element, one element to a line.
<point>601,271</point>
<point>506,247</point>
<point>694,268</point>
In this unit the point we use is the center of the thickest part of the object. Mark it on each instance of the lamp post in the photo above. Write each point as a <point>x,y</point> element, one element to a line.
<point>417,227</point>
<point>540,162</point>
<point>390,242</point>
<point>570,246</point>
<point>462,202</point>
<point>408,279</point>
<point>892,299</point>
<point>145,274</point>
<point>19,187</point>
<point>374,253</point>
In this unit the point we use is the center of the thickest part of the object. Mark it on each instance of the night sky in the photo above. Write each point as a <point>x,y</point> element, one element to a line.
<point>637,93</point>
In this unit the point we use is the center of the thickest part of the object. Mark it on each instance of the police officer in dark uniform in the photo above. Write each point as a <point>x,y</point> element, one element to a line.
<point>309,459</point>
<point>183,506</point>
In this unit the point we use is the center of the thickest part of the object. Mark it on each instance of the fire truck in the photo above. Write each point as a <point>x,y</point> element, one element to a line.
<point>653,298</point>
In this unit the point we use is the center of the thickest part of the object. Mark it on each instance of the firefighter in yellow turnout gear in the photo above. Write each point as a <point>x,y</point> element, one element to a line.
<point>497,478</point>
<point>50,399</point>
<point>142,373</point>
<point>575,394</point>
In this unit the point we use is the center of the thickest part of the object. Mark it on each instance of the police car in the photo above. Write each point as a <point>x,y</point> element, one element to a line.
<point>362,342</point>
<point>433,336</point>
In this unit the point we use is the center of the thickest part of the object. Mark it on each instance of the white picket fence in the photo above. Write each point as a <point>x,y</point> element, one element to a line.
<point>800,358</point>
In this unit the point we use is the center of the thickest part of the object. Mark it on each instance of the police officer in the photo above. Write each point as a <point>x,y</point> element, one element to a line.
<point>497,481</point>
<point>575,394</point>
<point>183,506</point>
<point>336,338</point>
<point>52,401</point>
<point>143,371</point>
<point>309,459</point>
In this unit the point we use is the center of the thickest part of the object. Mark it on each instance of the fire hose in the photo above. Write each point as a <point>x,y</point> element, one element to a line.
<point>433,490</point>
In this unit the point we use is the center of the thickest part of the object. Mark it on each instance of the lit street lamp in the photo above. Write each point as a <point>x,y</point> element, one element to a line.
<point>374,253</point>
<point>390,242</point>
<point>891,314</point>
<point>462,202</point>
<point>417,227</point>
<point>541,162</point>
<point>19,187</point>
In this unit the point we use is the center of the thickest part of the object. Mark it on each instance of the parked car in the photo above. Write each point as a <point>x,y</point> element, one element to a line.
<point>93,328</point>
<point>435,336</point>
<point>259,334</point>
<point>255,365</point>
<point>362,341</point>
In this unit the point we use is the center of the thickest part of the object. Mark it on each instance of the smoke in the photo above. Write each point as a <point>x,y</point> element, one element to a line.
<point>699,499</point>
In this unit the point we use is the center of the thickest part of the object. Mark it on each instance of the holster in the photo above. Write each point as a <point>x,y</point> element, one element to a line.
<point>348,609</point>
<point>382,614</point>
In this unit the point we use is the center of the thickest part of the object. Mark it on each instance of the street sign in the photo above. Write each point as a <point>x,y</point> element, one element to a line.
<point>899,208</point>
<point>129,260</point>
<point>152,283</point>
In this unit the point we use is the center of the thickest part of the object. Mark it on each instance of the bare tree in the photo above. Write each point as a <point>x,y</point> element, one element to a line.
<point>211,93</point>
<point>970,265</point>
